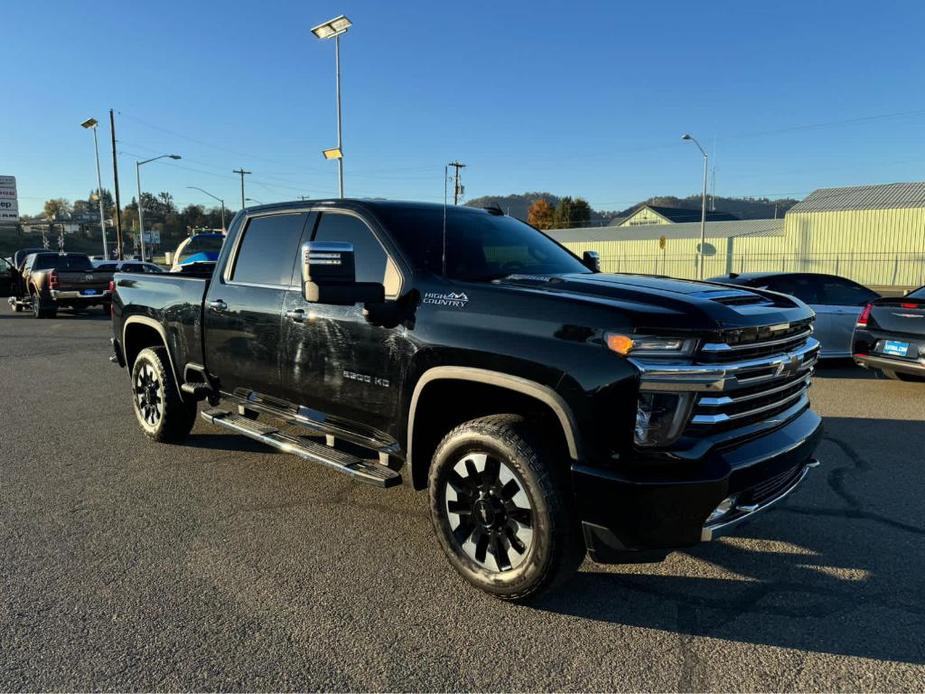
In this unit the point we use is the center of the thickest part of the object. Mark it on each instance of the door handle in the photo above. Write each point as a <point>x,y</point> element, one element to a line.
<point>297,315</point>
<point>218,305</point>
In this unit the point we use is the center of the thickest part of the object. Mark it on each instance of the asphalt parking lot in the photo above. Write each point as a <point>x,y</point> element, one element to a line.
<point>222,565</point>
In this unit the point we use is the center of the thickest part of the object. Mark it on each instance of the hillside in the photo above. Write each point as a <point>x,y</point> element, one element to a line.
<point>744,208</point>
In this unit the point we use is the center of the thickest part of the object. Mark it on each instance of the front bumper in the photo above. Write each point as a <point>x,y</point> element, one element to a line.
<point>650,508</point>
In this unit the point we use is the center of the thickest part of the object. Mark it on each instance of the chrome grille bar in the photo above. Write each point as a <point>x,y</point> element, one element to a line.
<point>722,347</point>
<point>725,376</point>
<point>721,417</point>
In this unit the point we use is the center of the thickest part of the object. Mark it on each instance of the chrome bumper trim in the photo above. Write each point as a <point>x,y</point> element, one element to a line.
<point>56,295</point>
<point>912,367</point>
<point>711,532</point>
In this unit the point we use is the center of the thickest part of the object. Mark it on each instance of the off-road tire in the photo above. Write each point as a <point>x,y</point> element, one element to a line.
<point>556,548</point>
<point>162,413</point>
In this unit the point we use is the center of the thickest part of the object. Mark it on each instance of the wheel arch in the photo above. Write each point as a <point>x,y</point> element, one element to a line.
<point>140,332</point>
<point>507,393</point>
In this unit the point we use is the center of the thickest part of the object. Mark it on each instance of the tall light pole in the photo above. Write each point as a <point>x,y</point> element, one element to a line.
<point>332,29</point>
<point>141,215</point>
<point>92,124</point>
<point>703,201</point>
<point>215,197</point>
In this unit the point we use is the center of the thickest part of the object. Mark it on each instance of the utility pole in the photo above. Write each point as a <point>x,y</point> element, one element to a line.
<point>243,173</point>
<point>115,175</point>
<point>457,186</point>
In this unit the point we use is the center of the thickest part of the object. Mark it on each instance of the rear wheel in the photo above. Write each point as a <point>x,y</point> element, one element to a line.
<point>159,408</point>
<point>501,508</point>
<point>39,310</point>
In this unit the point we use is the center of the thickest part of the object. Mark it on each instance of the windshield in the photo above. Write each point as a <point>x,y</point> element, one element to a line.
<point>918,293</point>
<point>65,263</point>
<point>479,246</point>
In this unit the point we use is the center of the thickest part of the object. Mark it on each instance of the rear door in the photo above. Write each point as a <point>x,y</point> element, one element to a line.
<point>242,312</point>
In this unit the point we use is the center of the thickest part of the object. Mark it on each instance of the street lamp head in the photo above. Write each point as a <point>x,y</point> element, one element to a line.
<point>174,156</point>
<point>89,123</point>
<point>332,27</point>
<point>686,136</point>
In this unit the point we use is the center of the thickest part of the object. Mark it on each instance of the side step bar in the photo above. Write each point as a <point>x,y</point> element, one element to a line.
<point>368,471</point>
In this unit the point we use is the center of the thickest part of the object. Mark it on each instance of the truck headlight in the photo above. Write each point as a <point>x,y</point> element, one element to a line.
<point>648,346</point>
<point>661,417</point>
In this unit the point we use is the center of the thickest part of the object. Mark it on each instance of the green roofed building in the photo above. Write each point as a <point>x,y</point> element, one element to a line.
<point>872,234</point>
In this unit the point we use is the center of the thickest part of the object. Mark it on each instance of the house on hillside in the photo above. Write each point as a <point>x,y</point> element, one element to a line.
<point>656,214</point>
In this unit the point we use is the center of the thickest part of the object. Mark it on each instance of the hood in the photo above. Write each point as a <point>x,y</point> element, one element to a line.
<point>666,303</point>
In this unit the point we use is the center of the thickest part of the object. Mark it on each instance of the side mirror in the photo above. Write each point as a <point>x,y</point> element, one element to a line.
<point>329,276</point>
<point>591,260</point>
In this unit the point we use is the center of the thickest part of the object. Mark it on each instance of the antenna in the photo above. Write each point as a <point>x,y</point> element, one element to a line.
<point>446,175</point>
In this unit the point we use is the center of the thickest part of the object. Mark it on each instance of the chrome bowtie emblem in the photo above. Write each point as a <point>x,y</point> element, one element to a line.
<point>789,365</point>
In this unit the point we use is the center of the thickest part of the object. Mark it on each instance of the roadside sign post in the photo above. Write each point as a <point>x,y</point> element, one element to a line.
<point>9,201</point>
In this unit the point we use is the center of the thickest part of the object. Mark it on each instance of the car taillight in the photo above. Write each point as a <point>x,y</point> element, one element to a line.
<point>53,280</point>
<point>865,316</point>
<point>910,306</point>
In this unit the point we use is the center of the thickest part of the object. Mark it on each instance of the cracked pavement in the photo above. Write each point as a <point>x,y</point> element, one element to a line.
<point>220,564</point>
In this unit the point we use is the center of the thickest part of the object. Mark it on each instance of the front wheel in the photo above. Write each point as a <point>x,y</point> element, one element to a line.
<point>501,508</point>
<point>159,408</point>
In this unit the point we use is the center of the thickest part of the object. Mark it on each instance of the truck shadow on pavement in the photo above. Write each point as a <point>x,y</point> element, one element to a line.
<point>843,368</point>
<point>837,568</point>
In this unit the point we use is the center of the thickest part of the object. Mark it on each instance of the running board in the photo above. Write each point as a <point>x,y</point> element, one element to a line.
<point>368,471</point>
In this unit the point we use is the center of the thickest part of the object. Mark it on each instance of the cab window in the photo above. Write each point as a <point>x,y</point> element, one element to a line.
<point>268,250</point>
<point>372,262</point>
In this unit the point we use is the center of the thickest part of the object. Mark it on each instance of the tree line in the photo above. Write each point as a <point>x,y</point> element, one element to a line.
<point>566,214</point>
<point>160,211</point>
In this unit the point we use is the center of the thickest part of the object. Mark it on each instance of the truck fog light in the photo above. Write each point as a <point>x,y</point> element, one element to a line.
<point>725,506</point>
<point>660,417</point>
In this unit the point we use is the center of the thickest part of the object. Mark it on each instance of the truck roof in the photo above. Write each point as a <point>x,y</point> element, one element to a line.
<point>368,204</point>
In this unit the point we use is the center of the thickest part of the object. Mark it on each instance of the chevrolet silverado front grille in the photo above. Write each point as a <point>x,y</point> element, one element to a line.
<point>737,383</point>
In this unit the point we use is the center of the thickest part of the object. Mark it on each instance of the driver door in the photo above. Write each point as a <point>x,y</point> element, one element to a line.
<point>346,361</point>
<point>8,279</point>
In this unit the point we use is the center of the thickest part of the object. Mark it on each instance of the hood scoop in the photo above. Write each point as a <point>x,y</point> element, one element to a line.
<point>733,297</point>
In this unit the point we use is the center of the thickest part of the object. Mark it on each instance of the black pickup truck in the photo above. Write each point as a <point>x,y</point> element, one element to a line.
<point>548,408</point>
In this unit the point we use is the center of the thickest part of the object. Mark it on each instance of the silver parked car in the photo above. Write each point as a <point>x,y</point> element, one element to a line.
<point>837,302</point>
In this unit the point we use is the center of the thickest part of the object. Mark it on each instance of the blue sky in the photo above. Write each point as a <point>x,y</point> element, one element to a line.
<point>580,98</point>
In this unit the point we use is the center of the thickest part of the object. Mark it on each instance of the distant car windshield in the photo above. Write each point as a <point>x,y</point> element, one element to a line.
<point>479,246</point>
<point>65,263</point>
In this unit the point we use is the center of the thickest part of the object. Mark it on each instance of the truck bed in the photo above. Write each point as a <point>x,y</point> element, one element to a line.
<point>171,300</point>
